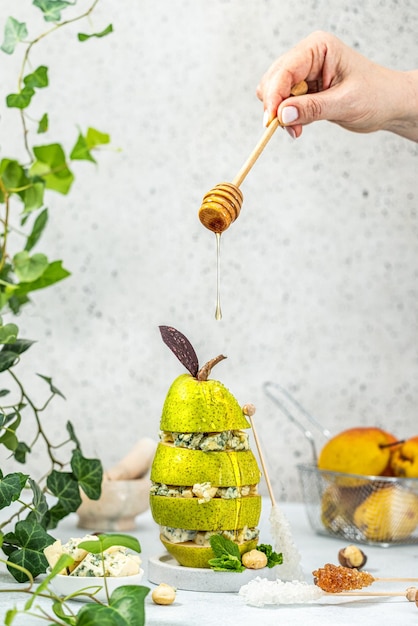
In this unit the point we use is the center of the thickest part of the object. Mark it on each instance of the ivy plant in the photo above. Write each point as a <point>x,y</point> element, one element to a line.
<point>124,607</point>
<point>31,508</point>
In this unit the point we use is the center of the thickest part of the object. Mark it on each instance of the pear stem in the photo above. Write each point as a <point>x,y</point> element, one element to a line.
<point>391,444</point>
<point>204,372</point>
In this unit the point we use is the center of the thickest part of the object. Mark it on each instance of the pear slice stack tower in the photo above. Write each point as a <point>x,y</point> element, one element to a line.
<point>204,474</point>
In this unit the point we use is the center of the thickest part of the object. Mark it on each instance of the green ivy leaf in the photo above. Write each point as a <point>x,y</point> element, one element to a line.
<point>20,100</point>
<point>37,230</point>
<point>51,8</point>
<point>11,487</point>
<point>52,387</point>
<point>22,449</point>
<point>19,346</point>
<point>37,79</point>
<point>52,167</point>
<point>27,543</point>
<point>39,502</point>
<point>9,438</point>
<point>8,333</point>
<point>43,124</point>
<point>89,473</point>
<point>29,268</point>
<point>126,608</point>
<point>11,173</point>
<point>95,138</point>
<point>10,352</point>
<point>55,514</point>
<point>80,151</point>
<point>64,486</point>
<point>14,32</point>
<point>53,273</point>
<point>33,195</point>
<point>103,33</point>
<point>73,437</point>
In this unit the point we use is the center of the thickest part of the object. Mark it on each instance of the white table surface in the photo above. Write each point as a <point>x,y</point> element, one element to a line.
<point>197,608</point>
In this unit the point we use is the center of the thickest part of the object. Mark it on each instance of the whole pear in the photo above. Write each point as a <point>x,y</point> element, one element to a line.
<point>360,450</point>
<point>404,459</point>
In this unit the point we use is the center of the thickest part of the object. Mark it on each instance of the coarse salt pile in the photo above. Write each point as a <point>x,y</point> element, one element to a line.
<point>261,591</point>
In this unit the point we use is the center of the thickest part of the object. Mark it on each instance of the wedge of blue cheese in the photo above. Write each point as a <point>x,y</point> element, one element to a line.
<point>114,561</point>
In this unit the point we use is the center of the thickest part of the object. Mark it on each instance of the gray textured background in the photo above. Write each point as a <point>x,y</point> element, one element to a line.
<point>319,273</point>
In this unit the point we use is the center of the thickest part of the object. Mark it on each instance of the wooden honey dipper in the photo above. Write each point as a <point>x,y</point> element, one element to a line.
<point>222,204</point>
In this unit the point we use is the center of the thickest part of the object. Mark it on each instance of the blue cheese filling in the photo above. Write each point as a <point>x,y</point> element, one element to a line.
<point>208,442</point>
<point>203,491</point>
<point>201,538</point>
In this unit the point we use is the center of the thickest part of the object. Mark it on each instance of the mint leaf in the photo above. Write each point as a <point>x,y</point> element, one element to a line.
<point>273,558</point>
<point>227,555</point>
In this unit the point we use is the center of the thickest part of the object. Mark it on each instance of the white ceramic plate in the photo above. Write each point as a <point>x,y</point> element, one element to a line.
<point>66,585</point>
<point>165,569</point>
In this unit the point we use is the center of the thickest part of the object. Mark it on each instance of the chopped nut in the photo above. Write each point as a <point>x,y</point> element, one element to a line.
<point>352,556</point>
<point>163,594</point>
<point>254,559</point>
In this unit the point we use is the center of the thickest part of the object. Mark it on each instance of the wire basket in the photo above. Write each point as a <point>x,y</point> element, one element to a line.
<point>374,510</point>
<point>377,510</point>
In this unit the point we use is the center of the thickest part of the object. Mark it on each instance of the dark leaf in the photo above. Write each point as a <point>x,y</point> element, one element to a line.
<point>29,540</point>
<point>9,438</point>
<point>89,473</point>
<point>126,608</point>
<point>55,514</point>
<point>11,487</point>
<point>39,502</point>
<point>73,437</point>
<point>21,451</point>
<point>52,387</point>
<point>64,486</point>
<point>19,346</point>
<point>181,347</point>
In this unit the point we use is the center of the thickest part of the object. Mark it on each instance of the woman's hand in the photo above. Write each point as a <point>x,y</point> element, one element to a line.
<point>345,88</point>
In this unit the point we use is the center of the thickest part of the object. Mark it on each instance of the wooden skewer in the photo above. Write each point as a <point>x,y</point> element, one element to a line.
<point>368,593</point>
<point>249,410</point>
<point>397,580</point>
<point>222,204</point>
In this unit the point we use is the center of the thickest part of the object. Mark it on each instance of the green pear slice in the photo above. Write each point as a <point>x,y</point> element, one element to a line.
<point>185,467</point>
<point>217,514</point>
<point>190,555</point>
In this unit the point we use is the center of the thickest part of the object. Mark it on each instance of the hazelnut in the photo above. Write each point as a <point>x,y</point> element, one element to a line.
<point>412,595</point>
<point>254,559</point>
<point>352,557</point>
<point>163,594</point>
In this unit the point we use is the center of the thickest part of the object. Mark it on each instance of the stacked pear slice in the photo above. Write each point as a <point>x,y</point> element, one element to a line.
<point>203,447</point>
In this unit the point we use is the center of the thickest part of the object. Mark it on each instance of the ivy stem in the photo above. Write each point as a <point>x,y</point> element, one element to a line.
<point>6,227</point>
<point>26,58</point>
<point>41,433</point>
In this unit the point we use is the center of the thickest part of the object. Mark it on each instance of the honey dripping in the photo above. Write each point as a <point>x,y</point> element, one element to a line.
<point>218,310</point>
